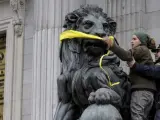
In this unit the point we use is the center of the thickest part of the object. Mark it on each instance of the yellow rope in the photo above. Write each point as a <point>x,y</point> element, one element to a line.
<point>100,65</point>
<point>69,34</point>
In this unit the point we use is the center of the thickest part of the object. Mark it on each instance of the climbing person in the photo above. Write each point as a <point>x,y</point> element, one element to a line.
<point>152,71</point>
<point>142,89</point>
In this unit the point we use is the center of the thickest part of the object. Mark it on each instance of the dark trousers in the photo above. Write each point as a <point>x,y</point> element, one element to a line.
<point>141,104</point>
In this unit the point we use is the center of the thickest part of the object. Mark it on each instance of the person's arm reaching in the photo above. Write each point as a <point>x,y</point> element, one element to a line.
<point>120,52</point>
<point>146,70</point>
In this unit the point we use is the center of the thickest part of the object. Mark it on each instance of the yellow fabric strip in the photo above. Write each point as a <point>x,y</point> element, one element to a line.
<point>70,34</point>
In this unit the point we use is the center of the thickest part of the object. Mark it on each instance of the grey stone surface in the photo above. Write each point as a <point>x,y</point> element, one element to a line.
<point>101,4</point>
<point>29,31</point>
<point>27,91</point>
<point>74,4</point>
<point>27,76</point>
<point>155,33</point>
<point>152,5</point>
<point>152,20</point>
<point>29,12</point>
<point>26,117</point>
<point>5,10</point>
<point>27,61</point>
<point>28,46</point>
<point>26,107</point>
<point>28,56</point>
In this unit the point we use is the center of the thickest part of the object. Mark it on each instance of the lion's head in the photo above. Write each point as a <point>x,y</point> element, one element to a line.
<point>92,20</point>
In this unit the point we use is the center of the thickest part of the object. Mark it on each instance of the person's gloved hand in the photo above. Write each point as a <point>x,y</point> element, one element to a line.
<point>131,63</point>
<point>109,41</point>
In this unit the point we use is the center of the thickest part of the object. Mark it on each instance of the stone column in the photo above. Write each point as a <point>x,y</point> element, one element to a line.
<point>13,79</point>
<point>49,16</point>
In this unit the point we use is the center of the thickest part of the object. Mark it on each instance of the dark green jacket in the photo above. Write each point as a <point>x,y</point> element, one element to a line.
<point>142,55</point>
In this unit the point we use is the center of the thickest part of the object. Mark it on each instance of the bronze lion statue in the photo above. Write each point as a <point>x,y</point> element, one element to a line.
<point>83,89</point>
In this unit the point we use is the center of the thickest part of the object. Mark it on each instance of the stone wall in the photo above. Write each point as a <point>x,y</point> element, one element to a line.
<point>153,19</point>
<point>43,24</point>
<point>5,10</point>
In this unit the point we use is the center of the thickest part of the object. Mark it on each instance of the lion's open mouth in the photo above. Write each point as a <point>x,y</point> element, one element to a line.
<point>94,47</point>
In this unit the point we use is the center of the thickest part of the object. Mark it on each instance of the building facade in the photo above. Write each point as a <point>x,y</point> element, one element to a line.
<point>29,48</point>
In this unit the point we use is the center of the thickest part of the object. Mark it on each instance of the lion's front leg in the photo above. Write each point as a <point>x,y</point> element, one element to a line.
<point>67,111</point>
<point>63,92</point>
<point>105,96</point>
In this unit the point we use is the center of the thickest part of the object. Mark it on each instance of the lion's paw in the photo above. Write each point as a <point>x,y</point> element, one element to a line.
<point>104,96</point>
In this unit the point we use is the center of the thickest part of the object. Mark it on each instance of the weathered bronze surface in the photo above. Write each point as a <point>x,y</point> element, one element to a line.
<point>83,87</point>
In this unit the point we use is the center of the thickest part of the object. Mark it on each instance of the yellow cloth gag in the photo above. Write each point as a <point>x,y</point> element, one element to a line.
<point>70,34</point>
